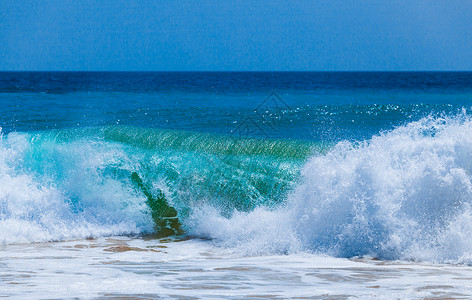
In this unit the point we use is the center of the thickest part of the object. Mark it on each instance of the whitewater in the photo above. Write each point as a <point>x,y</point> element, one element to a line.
<point>403,196</point>
<point>195,185</point>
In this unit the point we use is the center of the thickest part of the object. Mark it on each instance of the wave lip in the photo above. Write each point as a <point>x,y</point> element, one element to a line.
<point>76,183</point>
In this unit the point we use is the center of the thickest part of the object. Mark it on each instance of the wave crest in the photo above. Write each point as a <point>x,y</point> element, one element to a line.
<point>404,194</point>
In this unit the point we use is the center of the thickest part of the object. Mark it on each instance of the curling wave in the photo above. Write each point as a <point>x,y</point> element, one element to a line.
<point>403,194</point>
<point>76,183</point>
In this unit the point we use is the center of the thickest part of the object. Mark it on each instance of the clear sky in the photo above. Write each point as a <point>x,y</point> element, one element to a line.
<point>245,35</point>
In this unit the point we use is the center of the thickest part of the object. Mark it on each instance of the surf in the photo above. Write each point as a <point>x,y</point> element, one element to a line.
<point>119,180</point>
<point>402,194</point>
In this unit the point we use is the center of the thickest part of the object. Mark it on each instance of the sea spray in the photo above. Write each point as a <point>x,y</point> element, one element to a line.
<point>90,182</point>
<point>56,191</point>
<point>404,194</point>
<point>394,196</point>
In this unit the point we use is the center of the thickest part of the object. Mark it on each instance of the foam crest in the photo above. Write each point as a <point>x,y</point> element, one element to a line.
<point>404,194</point>
<point>53,191</point>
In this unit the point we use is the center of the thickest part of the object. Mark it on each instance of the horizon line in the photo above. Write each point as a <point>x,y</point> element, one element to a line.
<point>235,71</point>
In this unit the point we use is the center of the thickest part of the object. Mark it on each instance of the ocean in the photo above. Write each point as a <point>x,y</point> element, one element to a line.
<point>238,185</point>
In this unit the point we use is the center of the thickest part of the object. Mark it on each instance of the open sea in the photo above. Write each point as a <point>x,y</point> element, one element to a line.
<point>290,185</point>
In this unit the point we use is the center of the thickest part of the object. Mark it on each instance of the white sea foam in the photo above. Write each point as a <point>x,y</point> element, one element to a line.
<point>121,267</point>
<point>404,194</point>
<point>60,195</point>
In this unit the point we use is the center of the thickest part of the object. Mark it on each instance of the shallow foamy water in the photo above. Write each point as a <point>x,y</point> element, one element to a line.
<point>195,268</point>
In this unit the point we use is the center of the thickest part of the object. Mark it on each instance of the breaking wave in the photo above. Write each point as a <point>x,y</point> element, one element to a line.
<point>403,194</point>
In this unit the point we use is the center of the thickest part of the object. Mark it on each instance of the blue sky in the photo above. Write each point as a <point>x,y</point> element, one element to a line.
<point>318,35</point>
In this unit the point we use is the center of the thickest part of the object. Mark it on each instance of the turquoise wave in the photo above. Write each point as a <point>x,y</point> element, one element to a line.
<point>403,194</point>
<point>131,177</point>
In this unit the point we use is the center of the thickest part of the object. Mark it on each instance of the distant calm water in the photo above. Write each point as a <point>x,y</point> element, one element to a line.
<point>256,164</point>
<point>323,106</point>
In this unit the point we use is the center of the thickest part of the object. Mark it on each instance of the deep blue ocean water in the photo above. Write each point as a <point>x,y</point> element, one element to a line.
<point>316,106</point>
<point>344,163</point>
